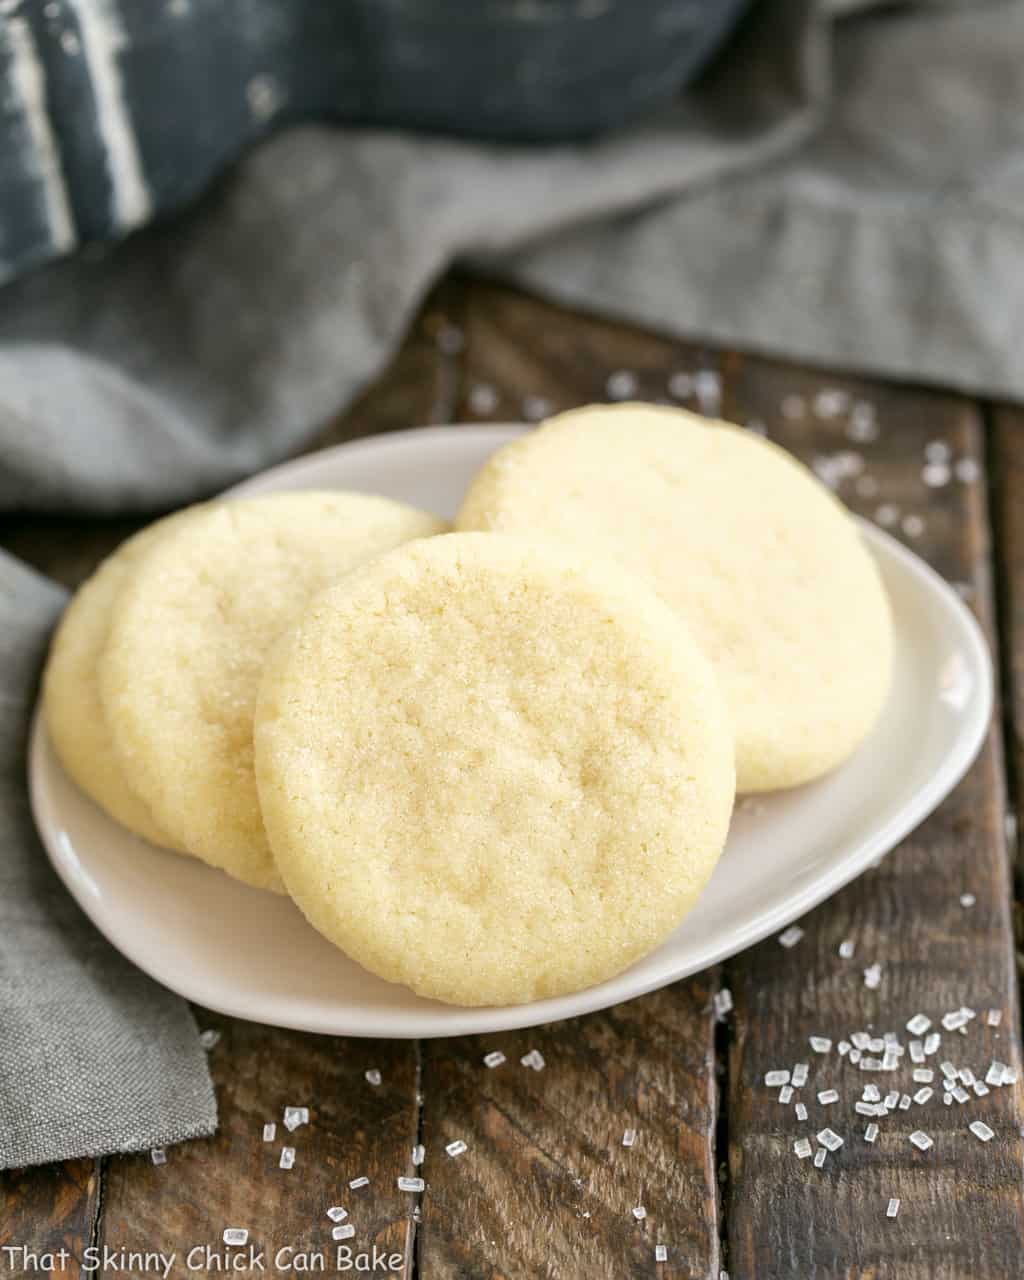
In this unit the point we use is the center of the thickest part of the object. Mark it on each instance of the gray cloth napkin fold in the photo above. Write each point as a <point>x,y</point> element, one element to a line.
<point>94,1056</point>
<point>844,186</point>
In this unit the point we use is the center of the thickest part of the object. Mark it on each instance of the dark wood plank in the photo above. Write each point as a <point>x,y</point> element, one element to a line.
<point>47,1210</point>
<point>961,1212</point>
<point>546,1187</point>
<point>234,1178</point>
<point>1007,483</point>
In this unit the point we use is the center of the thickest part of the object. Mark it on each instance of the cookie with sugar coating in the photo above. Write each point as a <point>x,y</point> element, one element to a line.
<point>75,721</point>
<point>742,541</point>
<point>492,770</point>
<point>188,636</point>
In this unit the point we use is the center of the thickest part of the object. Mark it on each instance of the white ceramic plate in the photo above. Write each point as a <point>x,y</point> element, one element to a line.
<point>252,954</point>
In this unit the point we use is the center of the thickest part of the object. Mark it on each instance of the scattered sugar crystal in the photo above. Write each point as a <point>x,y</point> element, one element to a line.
<point>923,1075</point>
<point>953,1021</point>
<point>660,1253</point>
<point>820,1044</point>
<point>1009,1075</point>
<point>456,1148</point>
<point>947,1099</point>
<point>356,1183</point>
<point>994,1017</point>
<point>722,1003</point>
<point>871,1093</point>
<point>862,427</point>
<point>483,399</point>
<point>639,1212</point>
<point>158,1155</point>
<point>922,1095</point>
<point>793,407</point>
<point>843,1048</point>
<point>269,1132</point>
<point>775,1079</point>
<point>536,407</point>
<point>860,1039</point>
<point>801,1111</point>
<point>802,1147</point>
<point>981,1130</point>
<point>785,1094</point>
<point>345,1232</point>
<point>967,470</point>
<point>828,1096</point>
<point>855,1056</point>
<point>870,1064</point>
<point>680,385</point>
<point>876,1044</point>
<point>967,899</point>
<point>916,1050</point>
<point>994,1075</point>
<point>236,1235</point>
<point>621,385</point>
<point>967,1075</point>
<point>980,1088</point>
<point>829,1139</point>
<point>920,1140</point>
<point>887,514</point>
<point>209,1039</point>
<point>891,1059</point>
<point>629,1137</point>
<point>830,402</point>
<point>494,1059</point>
<point>846,949</point>
<point>867,1108</point>
<point>708,387</point>
<point>373,1077</point>
<point>948,1070</point>
<point>960,1093</point>
<point>411,1184</point>
<point>918,1024</point>
<point>287,1157</point>
<point>534,1059</point>
<point>891,1100</point>
<point>819,1157</point>
<point>419,1154</point>
<point>904,1103</point>
<point>791,936</point>
<point>799,1075</point>
<point>336,1213</point>
<point>871,1132</point>
<point>937,451</point>
<point>873,976</point>
<point>893,1207</point>
<point>295,1116</point>
<point>931,1043</point>
<point>935,474</point>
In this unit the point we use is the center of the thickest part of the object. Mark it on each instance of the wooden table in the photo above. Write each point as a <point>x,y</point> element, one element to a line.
<point>546,1187</point>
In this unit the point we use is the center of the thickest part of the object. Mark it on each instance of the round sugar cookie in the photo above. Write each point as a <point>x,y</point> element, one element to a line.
<point>491,770</point>
<point>75,720</point>
<point>761,561</point>
<point>188,637</point>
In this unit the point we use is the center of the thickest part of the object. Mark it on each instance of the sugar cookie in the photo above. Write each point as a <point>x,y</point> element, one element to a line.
<point>760,560</point>
<point>75,720</point>
<point>188,635</point>
<point>491,770</point>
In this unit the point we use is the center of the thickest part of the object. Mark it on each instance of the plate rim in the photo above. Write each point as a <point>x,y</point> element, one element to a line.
<point>449,1020</point>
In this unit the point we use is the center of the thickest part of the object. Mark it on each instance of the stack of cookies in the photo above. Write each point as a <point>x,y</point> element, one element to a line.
<point>497,764</point>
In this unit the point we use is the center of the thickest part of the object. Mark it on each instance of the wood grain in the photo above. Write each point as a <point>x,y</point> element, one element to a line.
<point>47,1209</point>
<point>1006,464</point>
<point>961,1212</point>
<point>546,1187</point>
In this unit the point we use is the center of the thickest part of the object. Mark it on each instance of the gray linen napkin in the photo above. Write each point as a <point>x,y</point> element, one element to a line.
<point>845,186</point>
<point>94,1056</point>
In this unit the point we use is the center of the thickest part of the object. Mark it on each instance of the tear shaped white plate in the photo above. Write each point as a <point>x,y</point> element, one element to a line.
<point>252,955</point>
